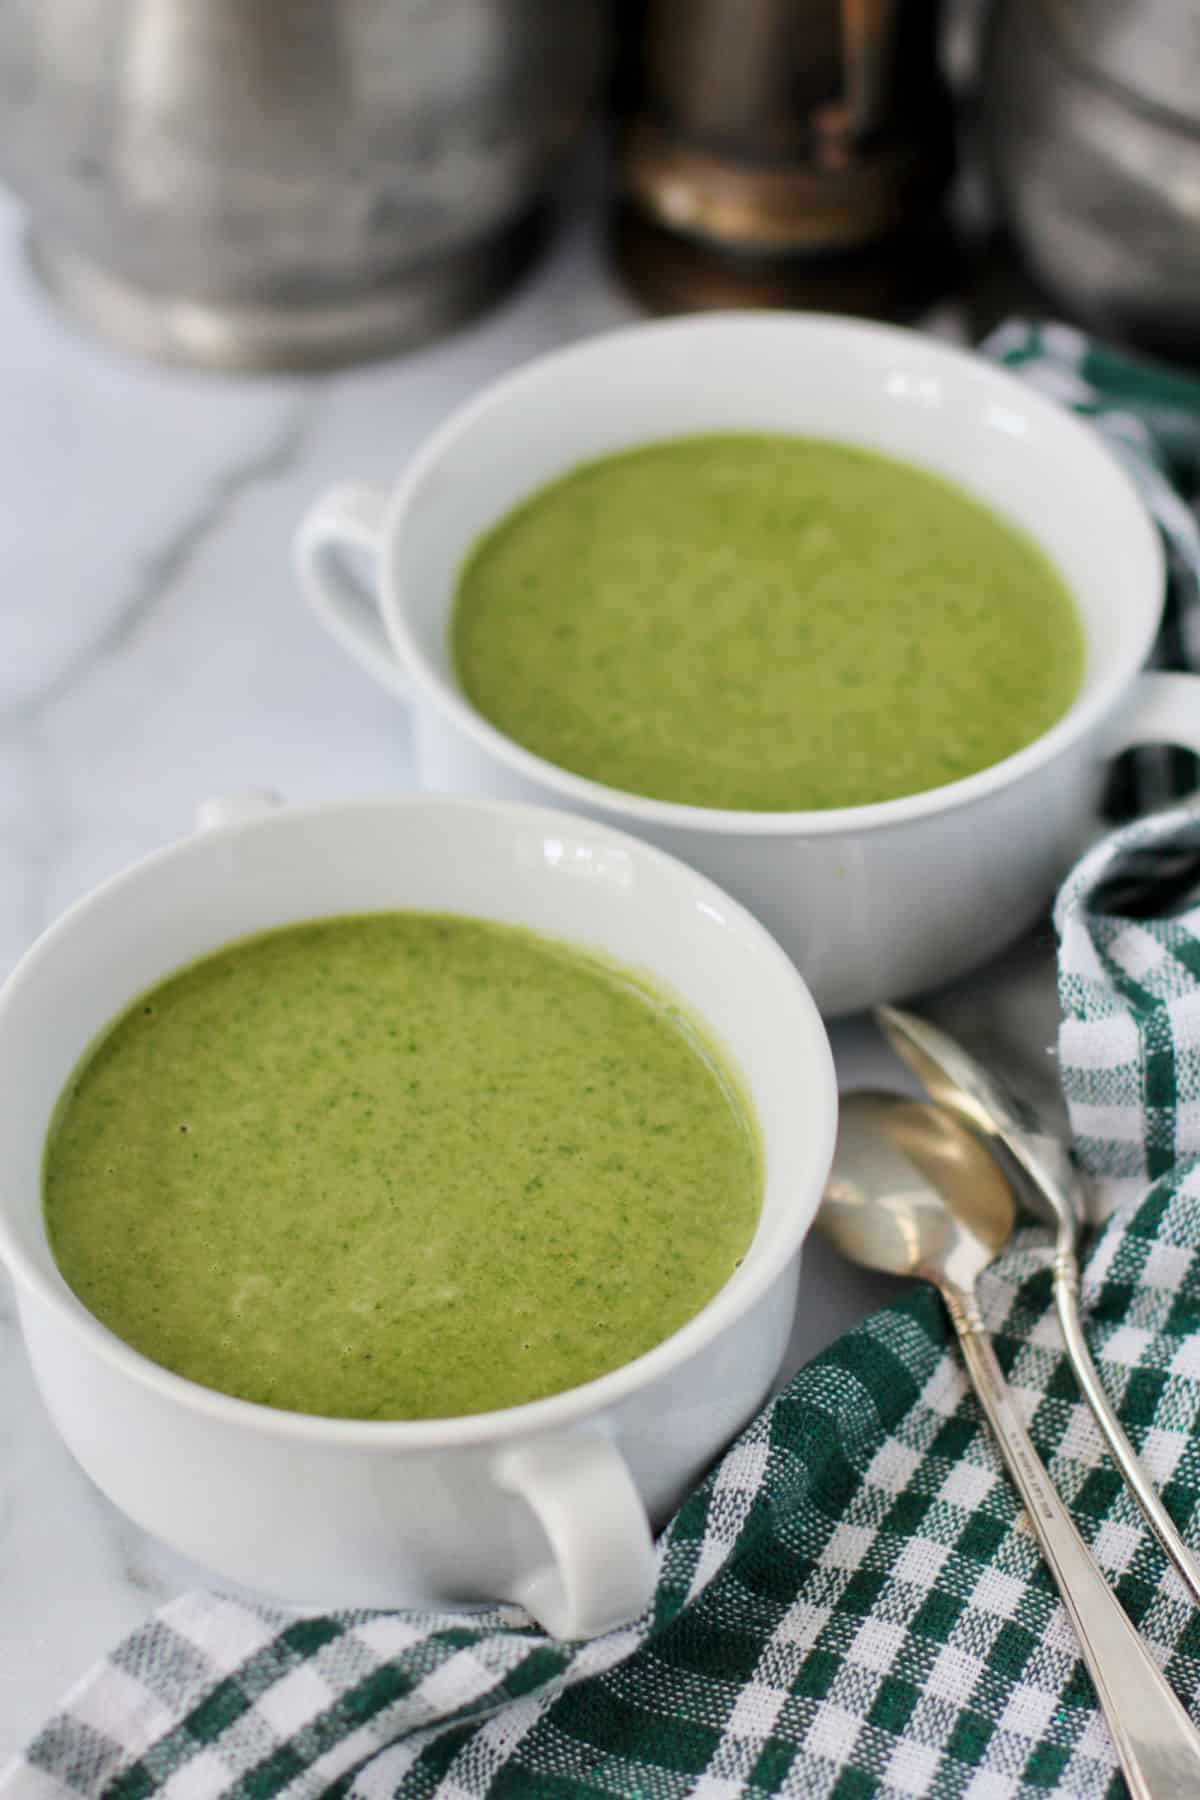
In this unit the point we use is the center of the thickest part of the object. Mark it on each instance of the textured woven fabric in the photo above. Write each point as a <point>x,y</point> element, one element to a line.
<point>851,1605</point>
<point>1149,416</point>
<point>1130,992</point>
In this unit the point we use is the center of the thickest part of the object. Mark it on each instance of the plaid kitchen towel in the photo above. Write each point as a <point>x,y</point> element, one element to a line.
<point>1149,416</point>
<point>851,1605</point>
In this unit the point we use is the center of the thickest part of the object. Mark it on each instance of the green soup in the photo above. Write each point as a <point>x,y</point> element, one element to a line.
<point>400,1166</point>
<point>764,623</point>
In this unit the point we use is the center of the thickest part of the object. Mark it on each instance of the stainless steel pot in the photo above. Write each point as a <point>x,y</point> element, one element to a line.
<point>280,183</point>
<point>1092,114</point>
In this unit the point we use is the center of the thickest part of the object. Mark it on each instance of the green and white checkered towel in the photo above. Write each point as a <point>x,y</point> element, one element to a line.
<point>850,1605</point>
<point>1150,418</point>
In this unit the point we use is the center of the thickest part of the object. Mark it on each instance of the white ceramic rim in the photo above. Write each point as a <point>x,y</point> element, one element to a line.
<point>472,1429</point>
<point>579,790</point>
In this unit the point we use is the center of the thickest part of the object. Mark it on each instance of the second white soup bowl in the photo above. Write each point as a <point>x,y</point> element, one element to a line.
<point>872,902</point>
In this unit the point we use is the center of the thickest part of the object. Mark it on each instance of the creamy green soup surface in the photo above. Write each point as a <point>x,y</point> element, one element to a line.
<point>764,623</point>
<point>400,1166</point>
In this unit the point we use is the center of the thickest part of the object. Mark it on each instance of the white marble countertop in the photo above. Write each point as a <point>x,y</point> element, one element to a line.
<point>155,652</point>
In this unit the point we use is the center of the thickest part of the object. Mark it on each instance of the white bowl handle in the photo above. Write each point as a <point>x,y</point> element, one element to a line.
<point>602,1570</point>
<point>349,517</point>
<point>1164,708</point>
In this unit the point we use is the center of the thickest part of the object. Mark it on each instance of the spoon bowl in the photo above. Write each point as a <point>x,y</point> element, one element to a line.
<point>989,1106</point>
<point>976,1097</point>
<point>911,1192</point>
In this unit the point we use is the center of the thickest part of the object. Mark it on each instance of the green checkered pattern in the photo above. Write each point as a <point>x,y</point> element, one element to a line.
<point>851,1605</point>
<point>1130,993</point>
<point>1149,416</point>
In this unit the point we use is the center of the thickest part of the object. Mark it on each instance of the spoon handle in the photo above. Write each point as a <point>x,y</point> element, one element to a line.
<point>1066,1293</point>
<point>1157,1745</point>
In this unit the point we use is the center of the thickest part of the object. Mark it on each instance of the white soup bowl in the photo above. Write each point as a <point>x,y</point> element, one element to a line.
<point>549,1504</point>
<point>872,902</point>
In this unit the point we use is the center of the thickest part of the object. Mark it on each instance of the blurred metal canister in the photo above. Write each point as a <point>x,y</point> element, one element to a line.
<point>288,183</point>
<point>786,152</point>
<point>1092,120</point>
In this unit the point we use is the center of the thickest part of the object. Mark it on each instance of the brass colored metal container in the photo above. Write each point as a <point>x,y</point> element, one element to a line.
<point>786,152</point>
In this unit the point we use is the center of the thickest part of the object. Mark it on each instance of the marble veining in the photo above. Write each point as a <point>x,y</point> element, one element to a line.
<point>163,565</point>
<point>155,652</point>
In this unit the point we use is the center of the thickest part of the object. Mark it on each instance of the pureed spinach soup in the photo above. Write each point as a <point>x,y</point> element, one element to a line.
<point>764,623</point>
<point>400,1166</point>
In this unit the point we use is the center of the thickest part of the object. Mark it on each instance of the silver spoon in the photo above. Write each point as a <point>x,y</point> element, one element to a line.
<point>911,1192</point>
<point>980,1100</point>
